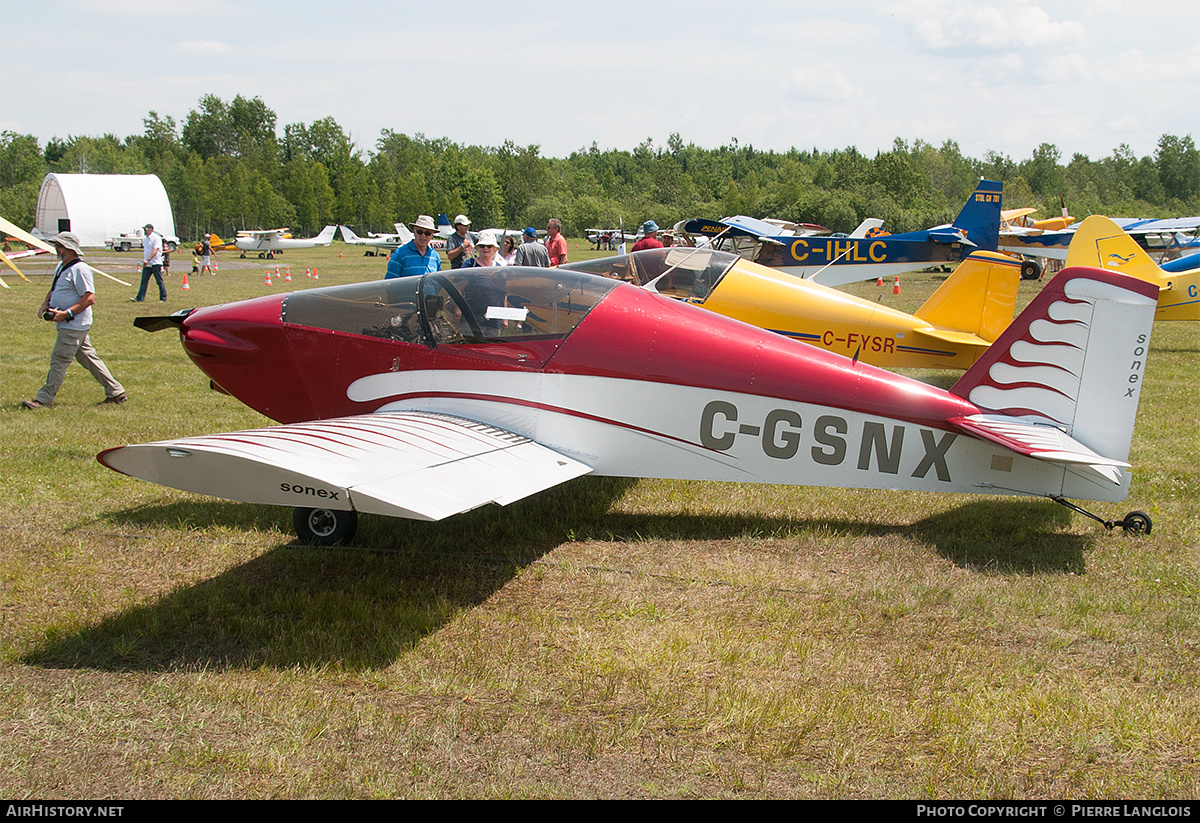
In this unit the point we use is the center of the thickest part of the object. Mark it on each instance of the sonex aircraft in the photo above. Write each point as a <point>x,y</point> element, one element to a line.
<point>835,261</point>
<point>426,396</point>
<point>950,331</point>
<point>1101,242</point>
<point>269,241</point>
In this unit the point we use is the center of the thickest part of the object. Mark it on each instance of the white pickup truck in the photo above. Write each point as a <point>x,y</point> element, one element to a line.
<point>133,240</point>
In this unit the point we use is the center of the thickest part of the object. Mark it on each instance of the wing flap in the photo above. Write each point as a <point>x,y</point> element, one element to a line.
<point>1041,442</point>
<point>402,464</point>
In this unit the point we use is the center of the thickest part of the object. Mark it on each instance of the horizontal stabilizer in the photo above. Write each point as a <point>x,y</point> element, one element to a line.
<point>1040,442</point>
<point>402,464</point>
<point>949,236</point>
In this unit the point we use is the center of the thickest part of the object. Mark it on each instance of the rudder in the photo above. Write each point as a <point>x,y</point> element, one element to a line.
<point>1074,359</point>
<point>978,298</point>
<point>980,217</point>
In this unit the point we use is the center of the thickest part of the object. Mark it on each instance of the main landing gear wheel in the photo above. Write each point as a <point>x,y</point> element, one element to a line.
<point>324,527</point>
<point>1030,270</point>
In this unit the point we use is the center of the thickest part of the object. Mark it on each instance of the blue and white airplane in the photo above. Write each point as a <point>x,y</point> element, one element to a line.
<point>834,261</point>
<point>1165,238</point>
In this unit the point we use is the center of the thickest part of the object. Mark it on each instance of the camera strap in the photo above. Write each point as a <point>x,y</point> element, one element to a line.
<point>61,270</point>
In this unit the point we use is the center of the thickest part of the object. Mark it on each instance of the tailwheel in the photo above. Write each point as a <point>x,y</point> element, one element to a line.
<point>1136,523</point>
<point>324,527</point>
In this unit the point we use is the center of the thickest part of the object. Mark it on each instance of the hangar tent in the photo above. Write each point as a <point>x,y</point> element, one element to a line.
<point>98,206</point>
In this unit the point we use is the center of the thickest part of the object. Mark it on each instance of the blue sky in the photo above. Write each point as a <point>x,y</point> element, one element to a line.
<point>1086,76</point>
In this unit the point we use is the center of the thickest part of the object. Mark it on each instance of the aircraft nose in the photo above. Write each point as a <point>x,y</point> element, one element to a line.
<point>243,348</point>
<point>232,329</point>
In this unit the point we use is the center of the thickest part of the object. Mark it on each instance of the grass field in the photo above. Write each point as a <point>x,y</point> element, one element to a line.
<point>605,639</point>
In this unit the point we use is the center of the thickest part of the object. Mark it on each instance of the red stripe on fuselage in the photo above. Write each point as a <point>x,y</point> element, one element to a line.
<point>635,335</point>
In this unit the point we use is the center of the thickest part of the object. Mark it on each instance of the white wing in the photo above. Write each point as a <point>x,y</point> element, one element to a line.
<point>402,464</point>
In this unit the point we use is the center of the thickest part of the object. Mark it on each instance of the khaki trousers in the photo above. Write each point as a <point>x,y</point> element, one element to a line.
<point>73,344</point>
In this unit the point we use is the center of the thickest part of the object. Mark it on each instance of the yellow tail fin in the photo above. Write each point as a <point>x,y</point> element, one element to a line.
<point>1101,243</point>
<point>978,298</point>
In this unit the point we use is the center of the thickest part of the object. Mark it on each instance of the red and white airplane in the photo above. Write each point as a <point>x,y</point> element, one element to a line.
<point>427,396</point>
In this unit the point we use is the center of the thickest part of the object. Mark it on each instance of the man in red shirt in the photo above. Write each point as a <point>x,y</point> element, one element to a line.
<point>556,244</point>
<point>650,238</point>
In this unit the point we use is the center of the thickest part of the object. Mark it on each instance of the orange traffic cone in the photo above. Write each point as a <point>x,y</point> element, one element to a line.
<point>315,275</point>
<point>339,254</point>
<point>307,271</point>
<point>879,281</point>
<point>267,279</point>
<point>185,285</point>
<point>896,288</point>
<point>287,275</point>
<point>276,272</point>
<point>288,269</point>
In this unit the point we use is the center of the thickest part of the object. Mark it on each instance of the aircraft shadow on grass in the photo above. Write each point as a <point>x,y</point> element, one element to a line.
<point>362,610</point>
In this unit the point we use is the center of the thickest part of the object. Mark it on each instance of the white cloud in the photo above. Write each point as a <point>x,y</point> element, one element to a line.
<point>1066,68</point>
<point>202,47</point>
<point>944,26</point>
<point>825,82</point>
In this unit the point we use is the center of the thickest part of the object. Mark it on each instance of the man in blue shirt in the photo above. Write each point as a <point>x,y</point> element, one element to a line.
<point>415,256</point>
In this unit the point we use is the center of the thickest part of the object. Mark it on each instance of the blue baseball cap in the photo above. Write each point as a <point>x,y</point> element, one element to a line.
<point>530,232</point>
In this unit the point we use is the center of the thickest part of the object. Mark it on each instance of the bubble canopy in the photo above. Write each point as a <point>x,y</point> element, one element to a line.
<point>463,306</point>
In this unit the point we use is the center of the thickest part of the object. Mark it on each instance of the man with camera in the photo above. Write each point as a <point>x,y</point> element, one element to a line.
<point>69,305</point>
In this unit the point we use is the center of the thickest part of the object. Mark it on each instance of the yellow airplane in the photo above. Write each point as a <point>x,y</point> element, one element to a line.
<point>217,244</point>
<point>950,331</point>
<point>1017,219</point>
<point>1101,243</point>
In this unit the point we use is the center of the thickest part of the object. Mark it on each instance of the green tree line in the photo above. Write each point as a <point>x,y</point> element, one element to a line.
<point>226,168</point>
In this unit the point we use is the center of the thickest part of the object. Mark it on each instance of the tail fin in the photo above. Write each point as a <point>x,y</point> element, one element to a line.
<point>1100,242</point>
<point>444,222</point>
<point>978,298</point>
<point>326,235</point>
<point>1074,359</point>
<point>404,233</point>
<point>349,236</point>
<point>866,227</point>
<point>215,241</point>
<point>980,217</point>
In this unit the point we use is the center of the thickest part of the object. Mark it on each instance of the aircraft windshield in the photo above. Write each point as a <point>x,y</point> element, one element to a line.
<point>685,273</point>
<point>464,306</point>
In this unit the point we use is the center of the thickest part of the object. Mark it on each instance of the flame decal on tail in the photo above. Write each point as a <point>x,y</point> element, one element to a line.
<point>1074,359</point>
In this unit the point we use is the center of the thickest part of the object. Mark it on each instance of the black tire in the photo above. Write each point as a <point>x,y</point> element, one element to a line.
<point>1030,270</point>
<point>172,246</point>
<point>324,527</point>
<point>124,247</point>
<point>1137,523</point>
